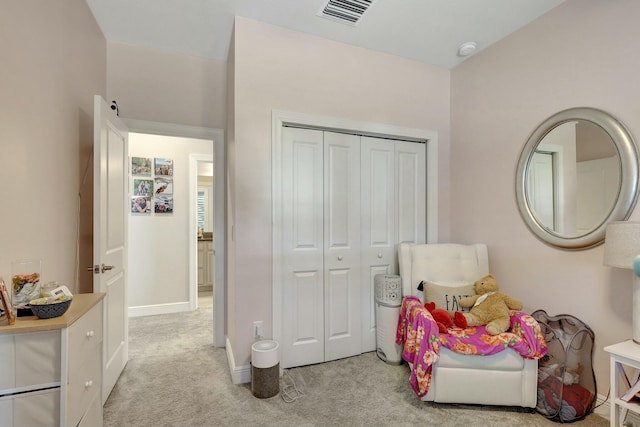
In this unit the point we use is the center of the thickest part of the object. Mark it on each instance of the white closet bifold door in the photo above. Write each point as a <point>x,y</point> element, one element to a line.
<point>393,205</point>
<point>411,192</point>
<point>347,201</point>
<point>303,247</point>
<point>378,225</point>
<point>342,245</point>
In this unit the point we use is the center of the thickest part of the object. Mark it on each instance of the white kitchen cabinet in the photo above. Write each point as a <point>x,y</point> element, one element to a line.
<point>205,265</point>
<point>52,368</point>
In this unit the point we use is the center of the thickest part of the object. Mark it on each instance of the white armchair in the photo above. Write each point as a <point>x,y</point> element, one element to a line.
<point>505,378</point>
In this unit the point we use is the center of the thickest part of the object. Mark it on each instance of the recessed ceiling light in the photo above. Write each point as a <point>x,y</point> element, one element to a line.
<point>466,49</point>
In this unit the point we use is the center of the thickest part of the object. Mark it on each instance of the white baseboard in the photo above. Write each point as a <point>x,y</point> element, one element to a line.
<point>239,374</point>
<point>148,310</point>
<point>603,408</point>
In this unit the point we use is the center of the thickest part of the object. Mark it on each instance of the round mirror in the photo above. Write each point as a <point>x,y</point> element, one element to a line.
<point>577,172</point>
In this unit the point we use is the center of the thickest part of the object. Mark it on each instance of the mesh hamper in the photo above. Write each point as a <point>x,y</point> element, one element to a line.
<point>566,381</point>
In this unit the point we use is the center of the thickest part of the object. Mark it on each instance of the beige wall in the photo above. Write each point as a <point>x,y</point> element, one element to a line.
<point>583,53</point>
<point>166,87</point>
<point>285,70</point>
<point>53,62</point>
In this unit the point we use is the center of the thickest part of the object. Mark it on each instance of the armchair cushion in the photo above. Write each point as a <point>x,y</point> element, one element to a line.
<point>443,263</point>
<point>446,296</point>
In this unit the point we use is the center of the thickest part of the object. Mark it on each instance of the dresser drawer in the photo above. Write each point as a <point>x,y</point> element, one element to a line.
<point>34,409</point>
<point>85,335</point>
<point>35,359</point>
<point>85,383</point>
<point>93,417</point>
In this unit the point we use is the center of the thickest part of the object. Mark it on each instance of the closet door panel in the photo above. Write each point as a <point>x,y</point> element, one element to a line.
<point>339,324</point>
<point>305,319</point>
<point>303,247</point>
<point>377,177</point>
<point>411,192</point>
<point>340,181</point>
<point>342,245</point>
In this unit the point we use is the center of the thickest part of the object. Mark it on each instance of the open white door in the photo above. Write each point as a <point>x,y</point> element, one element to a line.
<point>109,237</point>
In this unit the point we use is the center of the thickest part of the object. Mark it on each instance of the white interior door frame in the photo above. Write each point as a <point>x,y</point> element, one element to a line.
<point>557,178</point>
<point>280,118</point>
<point>193,225</point>
<point>219,289</point>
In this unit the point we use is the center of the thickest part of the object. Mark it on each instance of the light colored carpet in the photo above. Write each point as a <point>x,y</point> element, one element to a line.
<point>175,377</point>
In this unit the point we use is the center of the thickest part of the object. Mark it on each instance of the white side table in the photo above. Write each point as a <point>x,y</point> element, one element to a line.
<point>624,354</point>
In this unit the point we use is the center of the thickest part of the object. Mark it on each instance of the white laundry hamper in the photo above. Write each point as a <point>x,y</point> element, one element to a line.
<point>388,299</point>
<point>265,369</point>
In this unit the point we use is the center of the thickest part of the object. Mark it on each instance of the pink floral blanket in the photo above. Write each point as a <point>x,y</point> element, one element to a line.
<point>418,331</point>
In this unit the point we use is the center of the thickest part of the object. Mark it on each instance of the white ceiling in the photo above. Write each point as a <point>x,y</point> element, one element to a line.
<point>428,31</point>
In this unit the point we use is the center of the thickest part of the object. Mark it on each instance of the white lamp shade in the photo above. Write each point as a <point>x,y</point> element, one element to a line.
<point>621,244</point>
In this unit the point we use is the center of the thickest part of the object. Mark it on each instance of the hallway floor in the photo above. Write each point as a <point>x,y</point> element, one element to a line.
<point>205,299</point>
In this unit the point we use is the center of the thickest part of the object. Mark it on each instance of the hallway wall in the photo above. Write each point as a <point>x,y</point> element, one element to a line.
<point>159,252</point>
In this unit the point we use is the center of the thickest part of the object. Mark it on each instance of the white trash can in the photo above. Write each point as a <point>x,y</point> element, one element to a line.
<point>265,369</point>
<point>388,301</point>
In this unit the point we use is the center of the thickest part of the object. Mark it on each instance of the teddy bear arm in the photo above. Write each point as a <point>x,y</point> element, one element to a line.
<point>468,301</point>
<point>513,303</point>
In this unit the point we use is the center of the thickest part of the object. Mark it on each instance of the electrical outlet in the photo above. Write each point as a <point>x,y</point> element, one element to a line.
<point>257,329</point>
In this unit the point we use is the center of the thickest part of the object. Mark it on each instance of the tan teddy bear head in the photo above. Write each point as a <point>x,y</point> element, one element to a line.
<point>488,307</point>
<point>485,285</point>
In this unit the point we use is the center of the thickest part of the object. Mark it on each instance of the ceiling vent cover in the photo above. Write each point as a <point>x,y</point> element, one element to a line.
<point>345,11</point>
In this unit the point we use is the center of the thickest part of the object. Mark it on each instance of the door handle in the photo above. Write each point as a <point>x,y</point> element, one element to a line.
<point>100,269</point>
<point>107,267</point>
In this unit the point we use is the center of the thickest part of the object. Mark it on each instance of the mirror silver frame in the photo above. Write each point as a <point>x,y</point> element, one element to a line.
<point>628,191</point>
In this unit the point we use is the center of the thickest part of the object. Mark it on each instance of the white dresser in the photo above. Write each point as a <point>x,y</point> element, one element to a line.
<point>51,373</point>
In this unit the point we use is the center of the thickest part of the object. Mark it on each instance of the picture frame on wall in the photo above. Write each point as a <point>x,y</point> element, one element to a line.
<point>163,186</point>
<point>163,166</point>
<point>163,204</point>
<point>141,166</point>
<point>140,205</point>
<point>143,187</point>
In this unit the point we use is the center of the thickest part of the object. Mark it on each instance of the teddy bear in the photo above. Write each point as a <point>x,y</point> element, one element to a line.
<point>444,319</point>
<point>488,307</point>
<point>441,316</point>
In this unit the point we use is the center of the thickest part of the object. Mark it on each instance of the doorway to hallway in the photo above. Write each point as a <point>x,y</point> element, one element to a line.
<point>164,259</point>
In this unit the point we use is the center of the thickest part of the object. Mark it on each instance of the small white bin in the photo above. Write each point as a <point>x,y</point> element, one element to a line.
<point>388,299</point>
<point>265,369</point>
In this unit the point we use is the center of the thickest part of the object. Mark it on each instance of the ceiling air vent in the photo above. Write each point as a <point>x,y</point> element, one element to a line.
<point>345,11</point>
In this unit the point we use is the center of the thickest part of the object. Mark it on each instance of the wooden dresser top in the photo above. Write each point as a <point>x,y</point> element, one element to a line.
<point>80,304</point>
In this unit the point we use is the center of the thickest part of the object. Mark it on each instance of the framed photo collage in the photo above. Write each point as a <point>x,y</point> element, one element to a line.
<point>152,186</point>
